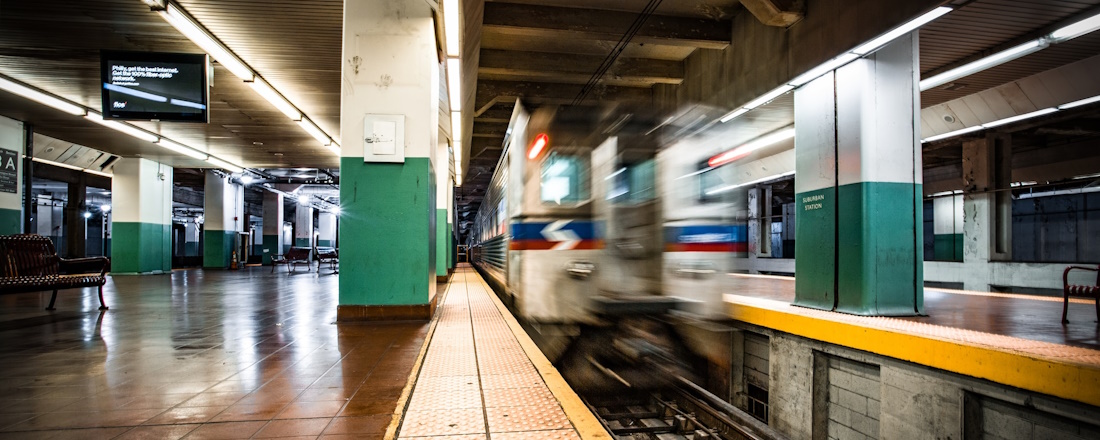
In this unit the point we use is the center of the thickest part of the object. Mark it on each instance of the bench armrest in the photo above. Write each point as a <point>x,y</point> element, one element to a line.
<point>84,265</point>
<point>1065,274</point>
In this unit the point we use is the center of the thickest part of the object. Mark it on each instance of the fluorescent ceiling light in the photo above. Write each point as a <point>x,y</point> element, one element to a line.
<point>123,127</point>
<point>825,67</point>
<point>454,83</point>
<point>767,97</point>
<point>72,167</point>
<point>194,32</point>
<point>334,148</point>
<point>1077,29</point>
<point>982,64</point>
<point>952,133</point>
<point>98,173</point>
<point>753,182</point>
<point>876,43</point>
<point>734,114</point>
<point>269,93</point>
<point>1033,114</point>
<point>225,165</point>
<point>41,98</point>
<point>314,131</point>
<point>450,27</point>
<point>182,149</point>
<point>756,144</point>
<point>456,126</point>
<point>1079,103</point>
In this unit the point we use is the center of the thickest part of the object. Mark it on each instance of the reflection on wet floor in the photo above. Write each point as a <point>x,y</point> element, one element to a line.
<point>1037,318</point>
<point>201,354</point>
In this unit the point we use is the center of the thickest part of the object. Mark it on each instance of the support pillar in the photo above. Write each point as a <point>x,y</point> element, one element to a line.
<point>442,189</point>
<point>947,228</point>
<point>76,226</point>
<point>273,226</point>
<point>141,217</point>
<point>222,211</point>
<point>859,246</point>
<point>987,205</point>
<point>387,199</point>
<point>326,229</point>
<point>13,139</point>
<point>303,226</point>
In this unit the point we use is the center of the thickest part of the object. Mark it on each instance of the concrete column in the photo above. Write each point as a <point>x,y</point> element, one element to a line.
<point>859,246</point>
<point>141,217</point>
<point>388,202</point>
<point>987,224</point>
<point>273,226</point>
<point>76,226</point>
<point>303,226</point>
<point>947,227</point>
<point>222,213</point>
<point>443,184</point>
<point>326,229</point>
<point>12,142</point>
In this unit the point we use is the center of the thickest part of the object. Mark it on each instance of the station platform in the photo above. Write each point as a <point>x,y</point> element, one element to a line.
<point>1011,339</point>
<point>481,376</point>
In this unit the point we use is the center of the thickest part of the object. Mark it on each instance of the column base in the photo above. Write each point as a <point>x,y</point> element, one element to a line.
<point>364,313</point>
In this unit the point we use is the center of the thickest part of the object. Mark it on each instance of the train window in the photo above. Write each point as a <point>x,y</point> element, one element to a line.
<point>713,185</point>
<point>564,179</point>
<point>634,183</point>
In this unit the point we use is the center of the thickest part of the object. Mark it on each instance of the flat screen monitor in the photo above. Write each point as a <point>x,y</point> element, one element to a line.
<point>155,86</point>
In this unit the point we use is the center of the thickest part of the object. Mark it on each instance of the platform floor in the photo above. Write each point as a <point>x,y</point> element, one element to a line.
<point>482,377</point>
<point>200,354</point>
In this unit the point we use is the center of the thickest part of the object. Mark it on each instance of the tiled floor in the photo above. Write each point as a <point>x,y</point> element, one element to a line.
<point>476,381</point>
<point>199,354</point>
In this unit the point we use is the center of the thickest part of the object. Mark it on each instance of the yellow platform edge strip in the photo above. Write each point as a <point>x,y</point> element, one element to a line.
<point>586,423</point>
<point>1079,383</point>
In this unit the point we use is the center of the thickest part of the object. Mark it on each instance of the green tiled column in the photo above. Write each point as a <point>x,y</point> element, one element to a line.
<point>222,211</point>
<point>859,244</point>
<point>11,203</point>
<point>141,217</point>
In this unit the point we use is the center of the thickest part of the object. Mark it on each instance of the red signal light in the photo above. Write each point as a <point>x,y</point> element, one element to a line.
<point>536,147</point>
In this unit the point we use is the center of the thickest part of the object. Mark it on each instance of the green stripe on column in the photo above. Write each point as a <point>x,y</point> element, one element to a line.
<point>947,247</point>
<point>386,252</point>
<point>877,271</point>
<point>815,248</point>
<point>11,221</point>
<point>324,243</point>
<point>441,243</point>
<point>450,240</point>
<point>217,248</point>
<point>301,242</point>
<point>141,248</point>
<point>271,244</point>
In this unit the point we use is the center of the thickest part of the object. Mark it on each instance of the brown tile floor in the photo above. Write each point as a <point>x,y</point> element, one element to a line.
<point>199,354</point>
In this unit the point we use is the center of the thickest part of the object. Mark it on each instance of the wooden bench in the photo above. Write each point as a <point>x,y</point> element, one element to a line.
<point>328,255</point>
<point>1090,291</point>
<point>293,257</point>
<point>29,263</point>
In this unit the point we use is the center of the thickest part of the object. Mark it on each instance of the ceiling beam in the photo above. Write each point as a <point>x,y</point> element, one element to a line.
<point>554,93</point>
<point>594,24</point>
<point>779,13</point>
<point>576,69</point>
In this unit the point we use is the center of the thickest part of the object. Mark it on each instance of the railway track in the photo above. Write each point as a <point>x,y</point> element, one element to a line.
<point>682,412</point>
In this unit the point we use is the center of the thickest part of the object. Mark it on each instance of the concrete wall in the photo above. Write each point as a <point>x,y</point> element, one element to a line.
<point>822,391</point>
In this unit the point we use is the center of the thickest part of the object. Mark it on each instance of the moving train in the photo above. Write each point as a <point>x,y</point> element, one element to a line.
<point>604,228</point>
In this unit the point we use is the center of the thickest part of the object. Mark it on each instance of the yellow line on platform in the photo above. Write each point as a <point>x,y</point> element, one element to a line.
<point>587,425</point>
<point>1064,379</point>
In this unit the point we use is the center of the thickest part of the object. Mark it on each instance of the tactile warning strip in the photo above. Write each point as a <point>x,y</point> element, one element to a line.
<point>476,381</point>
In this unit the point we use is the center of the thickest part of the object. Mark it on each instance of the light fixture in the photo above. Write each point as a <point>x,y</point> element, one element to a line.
<point>194,32</point>
<point>756,144</point>
<point>303,199</point>
<point>264,89</point>
<point>123,127</point>
<point>456,126</point>
<point>906,28</point>
<point>334,148</point>
<point>1016,118</point>
<point>768,97</point>
<point>41,98</point>
<point>224,165</point>
<point>734,114</point>
<point>182,149</point>
<point>537,146</point>
<point>1079,103</point>
<point>953,133</point>
<point>454,83</point>
<point>450,27</point>
<point>752,182</point>
<point>314,131</point>
<point>246,179</point>
<point>105,208</point>
<point>1076,29</point>
<point>87,215</point>
<point>982,64</point>
<point>827,66</point>
<point>335,210</point>
<point>98,173</point>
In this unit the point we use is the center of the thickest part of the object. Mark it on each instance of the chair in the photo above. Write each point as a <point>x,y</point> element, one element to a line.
<point>1085,290</point>
<point>295,256</point>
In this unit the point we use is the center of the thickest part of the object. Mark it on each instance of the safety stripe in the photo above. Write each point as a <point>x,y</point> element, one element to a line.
<point>545,245</point>
<point>706,238</point>
<point>706,247</point>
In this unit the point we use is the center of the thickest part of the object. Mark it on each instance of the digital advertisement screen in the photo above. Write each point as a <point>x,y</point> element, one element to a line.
<point>155,86</point>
